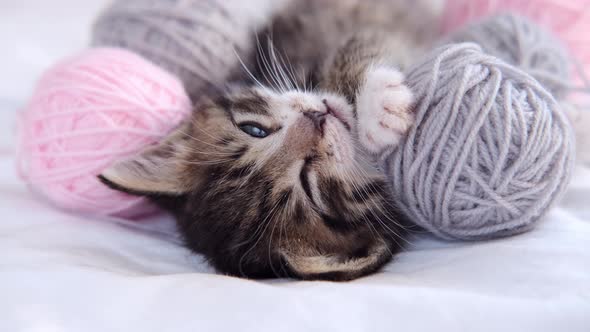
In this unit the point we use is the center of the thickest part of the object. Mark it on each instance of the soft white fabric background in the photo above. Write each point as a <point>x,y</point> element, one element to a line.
<point>69,273</point>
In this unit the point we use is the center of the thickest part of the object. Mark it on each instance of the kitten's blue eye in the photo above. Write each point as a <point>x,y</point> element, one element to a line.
<point>254,130</point>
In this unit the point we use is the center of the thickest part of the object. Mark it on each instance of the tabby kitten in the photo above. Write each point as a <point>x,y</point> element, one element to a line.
<point>275,180</point>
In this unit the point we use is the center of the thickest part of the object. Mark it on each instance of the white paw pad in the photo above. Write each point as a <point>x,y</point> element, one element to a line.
<point>384,109</point>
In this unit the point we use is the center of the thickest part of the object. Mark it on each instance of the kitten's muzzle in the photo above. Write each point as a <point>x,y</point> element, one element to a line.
<point>318,119</point>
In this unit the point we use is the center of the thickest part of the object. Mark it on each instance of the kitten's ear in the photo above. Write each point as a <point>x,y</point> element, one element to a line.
<point>157,170</point>
<point>338,267</point>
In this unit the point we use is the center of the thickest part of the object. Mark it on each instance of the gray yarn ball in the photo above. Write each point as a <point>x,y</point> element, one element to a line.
<point>197,40</point>
<point>521,42</point>
<point>490,152</point>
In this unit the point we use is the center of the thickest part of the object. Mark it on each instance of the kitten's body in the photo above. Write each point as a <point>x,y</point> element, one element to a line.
<point>313,33</point>
<point>267,181</point>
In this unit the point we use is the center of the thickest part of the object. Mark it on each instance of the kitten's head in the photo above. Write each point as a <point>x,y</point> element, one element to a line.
<point>270,185</point>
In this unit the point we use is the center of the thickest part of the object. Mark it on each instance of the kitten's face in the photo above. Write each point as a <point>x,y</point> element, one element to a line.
<point>272,186</point>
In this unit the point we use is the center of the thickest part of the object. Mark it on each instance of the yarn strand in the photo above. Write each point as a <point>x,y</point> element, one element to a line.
<point>490,151</point>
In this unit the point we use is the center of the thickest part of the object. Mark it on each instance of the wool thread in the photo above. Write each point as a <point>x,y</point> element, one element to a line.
<point>568,19</point>
<point>520,42</point>
<point>490,152</point>
<point>88,111</point>
<point>201,42</point>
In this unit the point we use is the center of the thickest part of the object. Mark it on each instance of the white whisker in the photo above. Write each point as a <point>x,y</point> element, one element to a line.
<point>247,70</point>
<point>276,71</point>
<point>266,69</point>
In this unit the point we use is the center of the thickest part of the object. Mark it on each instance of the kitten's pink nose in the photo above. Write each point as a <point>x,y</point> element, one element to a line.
<point>318,119</point>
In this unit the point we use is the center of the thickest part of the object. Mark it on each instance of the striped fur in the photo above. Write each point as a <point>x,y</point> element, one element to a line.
<point>301,201</point>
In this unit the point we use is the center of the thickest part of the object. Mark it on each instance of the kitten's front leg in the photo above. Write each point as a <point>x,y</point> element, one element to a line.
<point>363,70</point>
<point>384,109</point>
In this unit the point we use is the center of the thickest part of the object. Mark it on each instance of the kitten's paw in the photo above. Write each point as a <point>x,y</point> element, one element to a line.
<point>384,109</point>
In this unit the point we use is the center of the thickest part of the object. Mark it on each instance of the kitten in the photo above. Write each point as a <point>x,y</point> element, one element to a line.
<point>269,180</point>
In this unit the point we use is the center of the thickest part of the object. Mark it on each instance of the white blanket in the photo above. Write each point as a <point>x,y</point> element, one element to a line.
<point>61,272</point>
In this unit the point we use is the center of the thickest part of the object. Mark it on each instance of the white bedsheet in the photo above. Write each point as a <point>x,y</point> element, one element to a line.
<point>60,272</point>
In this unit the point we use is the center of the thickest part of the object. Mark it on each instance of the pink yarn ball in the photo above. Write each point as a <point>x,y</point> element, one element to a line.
<point>87,111</point>
<point>568,19</point>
